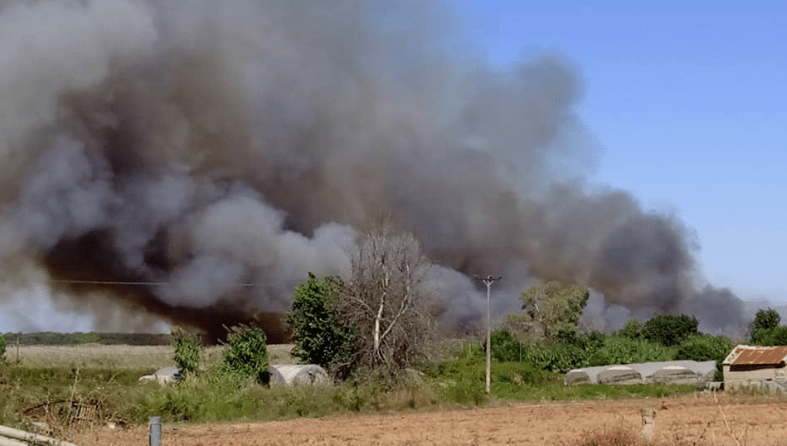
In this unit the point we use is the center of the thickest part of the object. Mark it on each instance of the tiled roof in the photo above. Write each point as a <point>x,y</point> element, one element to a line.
<point>756,355</point>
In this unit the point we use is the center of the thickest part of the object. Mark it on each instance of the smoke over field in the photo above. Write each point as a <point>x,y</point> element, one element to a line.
<point>193,161</point>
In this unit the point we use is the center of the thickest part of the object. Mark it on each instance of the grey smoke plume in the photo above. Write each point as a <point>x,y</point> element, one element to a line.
<point>199,146</point>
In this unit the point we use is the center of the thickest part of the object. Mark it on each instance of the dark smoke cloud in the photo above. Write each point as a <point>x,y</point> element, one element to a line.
<point>200,146</point>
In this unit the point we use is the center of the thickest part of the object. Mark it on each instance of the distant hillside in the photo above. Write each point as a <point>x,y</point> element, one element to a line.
<point>49,338</point>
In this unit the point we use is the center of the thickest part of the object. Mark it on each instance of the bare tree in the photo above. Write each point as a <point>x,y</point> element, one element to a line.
<point>385,298</point>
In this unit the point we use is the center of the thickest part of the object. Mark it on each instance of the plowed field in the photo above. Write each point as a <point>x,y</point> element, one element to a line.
<point>679,421</point>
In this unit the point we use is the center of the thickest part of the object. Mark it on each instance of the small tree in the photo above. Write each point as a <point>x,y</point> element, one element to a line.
<point>764,320</point>
<point>551,309</point>
<point>385,299</point>
<point>669,329</point>
<point>321,337</point>
<point>247,353</point>
<point>632,329</point>
<point>187,350</point>
<point>2,349</point>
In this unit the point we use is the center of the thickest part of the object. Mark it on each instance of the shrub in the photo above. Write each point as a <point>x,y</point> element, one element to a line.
<point>623,350</point>
<point>320,336</point>
<point>764,320</point>
<point>247,353</point>
<point>2,350</point>
<point>187,350</point>
<point>504,347</point>
<point>772,336</point>
<point>669,329</point>
<point>703,347</point>
<point>632,329</point>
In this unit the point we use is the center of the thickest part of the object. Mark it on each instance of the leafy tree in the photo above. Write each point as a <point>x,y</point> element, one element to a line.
<point>321,337</point>
<point>764,320</point>
<point>247,353</point>
<point>704,347</point>
<point>669,329</point>
<point>385,299</point>
<point>773,336</point>
<point>632,329</point>
<point>551,308</point>
<point>187,350</point>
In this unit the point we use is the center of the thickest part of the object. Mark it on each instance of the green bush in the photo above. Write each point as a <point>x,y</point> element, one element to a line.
<point>320,335</point>
<point>669,329</point>
<point>764,320</point>
<point>247,353</point>
<point>624,350</point>
<point>557,357</point>
<point>632,329</point>
<point>2,350</point>
<point>703,347</point>
<point>772,336</point>
<point>504,347</point>
<point>188,350</point>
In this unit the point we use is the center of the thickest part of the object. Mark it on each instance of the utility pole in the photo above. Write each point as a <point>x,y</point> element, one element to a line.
<point>488,281</point>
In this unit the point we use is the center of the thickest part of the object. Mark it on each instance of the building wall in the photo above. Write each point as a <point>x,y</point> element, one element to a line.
<point>754,376</point>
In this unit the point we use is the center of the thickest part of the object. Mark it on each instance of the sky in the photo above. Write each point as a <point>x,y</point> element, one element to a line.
<point>690,106</point>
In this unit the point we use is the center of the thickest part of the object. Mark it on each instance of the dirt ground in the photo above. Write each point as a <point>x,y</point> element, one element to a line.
<point>702,420</point>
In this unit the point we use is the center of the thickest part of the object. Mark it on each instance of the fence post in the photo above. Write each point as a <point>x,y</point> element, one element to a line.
<point>155,431</point>
<point>648,423</point>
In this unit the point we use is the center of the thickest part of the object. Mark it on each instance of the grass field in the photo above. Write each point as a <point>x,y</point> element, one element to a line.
<point>96,356</point>
<point>45,383</point>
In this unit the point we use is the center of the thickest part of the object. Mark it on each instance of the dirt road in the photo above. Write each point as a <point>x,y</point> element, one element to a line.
<point>679,421</point>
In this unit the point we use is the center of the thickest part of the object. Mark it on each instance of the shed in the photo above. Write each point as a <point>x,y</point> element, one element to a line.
<point>756,366</point>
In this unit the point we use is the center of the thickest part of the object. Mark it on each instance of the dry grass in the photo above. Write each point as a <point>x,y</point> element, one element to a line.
<point>122,356</point>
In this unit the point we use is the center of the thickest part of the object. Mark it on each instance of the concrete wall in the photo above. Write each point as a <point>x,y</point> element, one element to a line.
<point>754,376</point>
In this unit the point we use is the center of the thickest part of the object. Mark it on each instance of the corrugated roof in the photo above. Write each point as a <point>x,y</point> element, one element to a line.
<point>756,355</point>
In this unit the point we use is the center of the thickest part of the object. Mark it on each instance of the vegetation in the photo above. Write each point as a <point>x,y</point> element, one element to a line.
<point>550,309</point>
<point>764,320</point>
<point>669,329</point>
<point>385,299</point>
<point>320,335</point>
<point>2,350</point>
<point>377,319</point>
<point>247,354</point>
<point>187,350</point>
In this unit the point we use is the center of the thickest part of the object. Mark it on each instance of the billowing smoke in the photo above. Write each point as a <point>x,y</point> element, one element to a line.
<point>193,161</point>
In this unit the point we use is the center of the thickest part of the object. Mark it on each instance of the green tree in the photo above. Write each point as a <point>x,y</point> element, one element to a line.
<point>551,308</point>
<point>247,353</point>
<point>2,349</point>
<point>187,350</point>
<point>773,336</point>
<point>632,329</point>
<point>669,329</point>
<point>764,320</point>
<point>703,347</point>
<point>321,337</point>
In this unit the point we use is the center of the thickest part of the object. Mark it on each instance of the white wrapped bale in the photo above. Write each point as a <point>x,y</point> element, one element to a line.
<point>298,374</point>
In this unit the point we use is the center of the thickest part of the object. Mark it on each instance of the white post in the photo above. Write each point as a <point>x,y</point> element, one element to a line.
<point>155,431</point>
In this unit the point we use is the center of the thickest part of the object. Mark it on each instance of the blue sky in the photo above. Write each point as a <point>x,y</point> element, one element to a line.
<point>690,106</point>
